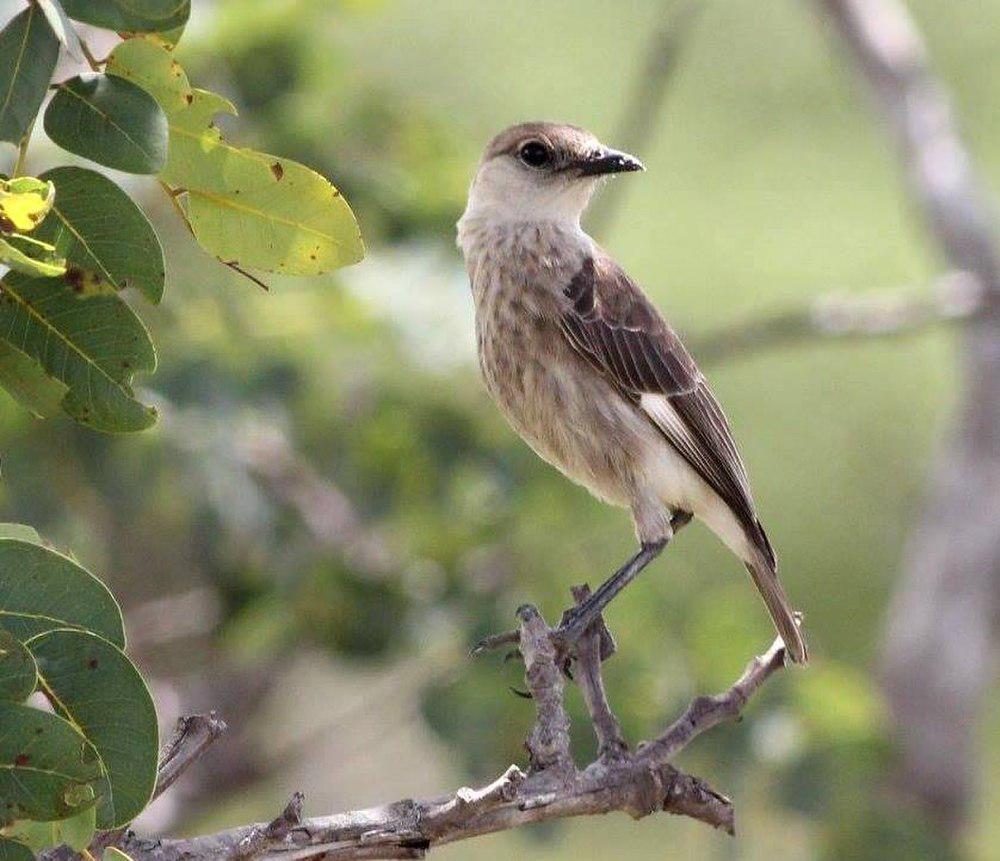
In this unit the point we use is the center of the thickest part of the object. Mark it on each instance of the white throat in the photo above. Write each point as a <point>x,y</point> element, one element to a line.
<point>506,193</point>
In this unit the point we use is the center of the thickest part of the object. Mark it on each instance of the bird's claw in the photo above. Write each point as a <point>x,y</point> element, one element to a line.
<point>494,642</point>
<point>571,627</point>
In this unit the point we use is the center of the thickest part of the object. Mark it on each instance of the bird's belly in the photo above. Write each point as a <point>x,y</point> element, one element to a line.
<point>568,414</point>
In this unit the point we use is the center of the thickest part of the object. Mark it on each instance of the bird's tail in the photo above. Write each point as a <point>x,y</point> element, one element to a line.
<point>764,574</point>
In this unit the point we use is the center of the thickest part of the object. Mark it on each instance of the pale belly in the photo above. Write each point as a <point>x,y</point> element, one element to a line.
<point>558,404</point>
<point>579,423</point>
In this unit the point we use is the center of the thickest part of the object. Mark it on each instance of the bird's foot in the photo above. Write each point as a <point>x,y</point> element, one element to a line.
<point>495,642</point>
<point>574,623</point>
<point>578,620</point>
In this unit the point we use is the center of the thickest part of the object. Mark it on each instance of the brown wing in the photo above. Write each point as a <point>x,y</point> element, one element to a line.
<point>616,328</point>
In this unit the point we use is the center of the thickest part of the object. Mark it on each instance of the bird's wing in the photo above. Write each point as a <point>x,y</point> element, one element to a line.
<point>615,327</point>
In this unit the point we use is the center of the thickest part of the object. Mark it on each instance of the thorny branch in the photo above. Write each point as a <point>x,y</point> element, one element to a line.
<point>638,783</point>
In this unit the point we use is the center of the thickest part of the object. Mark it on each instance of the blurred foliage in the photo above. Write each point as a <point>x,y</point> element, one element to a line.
<point>766,185</point>
<point>287,65</point>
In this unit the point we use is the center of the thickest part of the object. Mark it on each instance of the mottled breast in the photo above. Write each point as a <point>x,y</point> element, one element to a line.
<point>570,416</point>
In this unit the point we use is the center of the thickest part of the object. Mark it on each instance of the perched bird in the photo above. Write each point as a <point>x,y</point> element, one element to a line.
<point>589,373</point>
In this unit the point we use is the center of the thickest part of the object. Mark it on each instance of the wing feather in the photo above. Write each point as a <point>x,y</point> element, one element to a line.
<point>619,332</point>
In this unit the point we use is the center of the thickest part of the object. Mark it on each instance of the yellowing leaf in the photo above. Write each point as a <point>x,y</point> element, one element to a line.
<point>24,202</point>
<point>244,206</point>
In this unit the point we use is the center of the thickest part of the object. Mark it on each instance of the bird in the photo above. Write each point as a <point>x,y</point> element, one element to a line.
<point>589,373</point>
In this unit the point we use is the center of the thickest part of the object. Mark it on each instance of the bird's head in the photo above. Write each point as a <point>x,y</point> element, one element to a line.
<point>543,172</point>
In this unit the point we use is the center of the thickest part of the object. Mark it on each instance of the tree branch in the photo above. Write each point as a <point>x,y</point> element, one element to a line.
<point>551,788</point>
<point>193,735</point>
<point>939,638</point>
<point>954,296</point>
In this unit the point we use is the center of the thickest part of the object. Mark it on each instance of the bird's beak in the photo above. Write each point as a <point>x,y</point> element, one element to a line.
<point>609,161</point>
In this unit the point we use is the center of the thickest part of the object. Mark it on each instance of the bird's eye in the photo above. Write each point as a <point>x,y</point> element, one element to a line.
<point>535,154</point>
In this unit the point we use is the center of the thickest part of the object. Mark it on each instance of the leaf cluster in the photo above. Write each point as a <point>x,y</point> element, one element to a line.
<point>73,246</point>
<point>89,760</point>
<point>72,240</point>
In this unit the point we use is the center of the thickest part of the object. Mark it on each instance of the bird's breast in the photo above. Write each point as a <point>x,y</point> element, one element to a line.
<point>558,404</point>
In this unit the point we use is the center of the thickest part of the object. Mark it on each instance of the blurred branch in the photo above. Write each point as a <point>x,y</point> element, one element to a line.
<point>953,296</point>
<point>637,783</point>
<point>265,451</point>
<point>169,618</point>
<point>939,638</point>
<point>644,103</point>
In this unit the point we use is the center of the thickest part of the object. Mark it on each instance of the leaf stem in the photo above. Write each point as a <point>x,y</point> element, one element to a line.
<point>173,194</point>
<point>22,151</point>
<point>95,64</point>
<point>232,264</point>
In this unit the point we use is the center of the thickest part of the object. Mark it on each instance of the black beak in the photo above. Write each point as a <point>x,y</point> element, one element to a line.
<point>609,161</point>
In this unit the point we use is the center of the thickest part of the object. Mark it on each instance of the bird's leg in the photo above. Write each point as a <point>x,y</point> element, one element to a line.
<point>576,620</point>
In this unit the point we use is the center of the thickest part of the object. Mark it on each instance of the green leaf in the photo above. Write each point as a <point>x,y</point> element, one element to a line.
<point>46,265</point>
<point>94,345</point>
<point>28,51</point>
<point>76,832</point>
<point>131,16</point>
<point>44,763</point>
<point>113,853</point>
<point>109,120</point>
<point>13,851</point>
<point>109,243</point>
<point>18,673</point>
<point>24,202</point>
<point>42,590</point>
<point>27,382</point>
<point>94,685</point>
<point>20,531</point>
<point>246,207</point>
<point>61,26</point>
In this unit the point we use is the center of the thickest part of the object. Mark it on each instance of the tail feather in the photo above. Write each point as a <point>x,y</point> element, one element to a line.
<point>765,578</point>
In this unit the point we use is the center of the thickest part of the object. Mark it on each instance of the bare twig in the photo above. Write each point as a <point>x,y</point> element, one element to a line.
<point>193,735</point>
<point>706,712</point>
<point>92,61</point>
<point>552,788</point>
<point>939,638</point>
<point>594,647</point>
